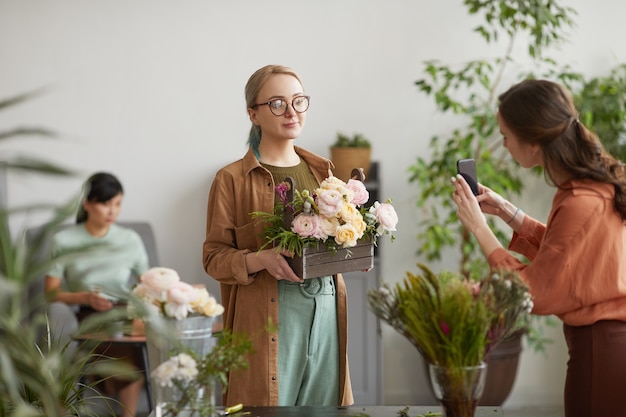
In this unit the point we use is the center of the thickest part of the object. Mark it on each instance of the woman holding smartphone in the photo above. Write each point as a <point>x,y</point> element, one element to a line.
<point>577,268</point>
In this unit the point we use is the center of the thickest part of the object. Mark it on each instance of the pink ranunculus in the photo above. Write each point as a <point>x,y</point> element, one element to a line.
<point>386,215</point>
<point>158,280</point>
<point>329,202</point>
<point>182,293</point>
<point>360,193</point>
<point>306,225</point>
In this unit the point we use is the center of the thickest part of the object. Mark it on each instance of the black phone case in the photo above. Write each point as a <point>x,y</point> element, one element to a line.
<point>467,168</point>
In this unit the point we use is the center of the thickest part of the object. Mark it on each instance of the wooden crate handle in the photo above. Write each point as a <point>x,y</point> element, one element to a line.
<point>358,174</point>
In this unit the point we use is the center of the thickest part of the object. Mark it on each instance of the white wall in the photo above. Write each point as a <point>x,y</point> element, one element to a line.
<point>152,90</point>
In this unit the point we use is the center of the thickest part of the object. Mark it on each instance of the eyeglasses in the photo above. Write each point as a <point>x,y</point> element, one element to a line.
<point>278,106</point>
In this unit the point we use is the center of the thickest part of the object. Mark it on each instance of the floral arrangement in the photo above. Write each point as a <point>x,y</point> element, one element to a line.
<point>188,380</point>
<point>185,380</point>
<point>333,214</point>
<point>163,293</point>
<point>453,321</point>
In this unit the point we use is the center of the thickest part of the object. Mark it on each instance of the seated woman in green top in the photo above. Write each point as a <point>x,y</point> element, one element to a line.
<point>99,279</point>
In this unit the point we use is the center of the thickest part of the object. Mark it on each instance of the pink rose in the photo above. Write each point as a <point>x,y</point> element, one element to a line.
<point>306,225</point>
<point>182,293</point>
<point>360,193</point>
<point>156,281</point>
<point>329,202</point>
<point>386,216</point>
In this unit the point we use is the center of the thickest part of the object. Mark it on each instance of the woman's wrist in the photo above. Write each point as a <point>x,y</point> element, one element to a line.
<point>517,211</point>
<point>508,212</point>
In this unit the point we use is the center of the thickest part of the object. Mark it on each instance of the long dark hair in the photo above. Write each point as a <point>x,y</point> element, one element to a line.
<point>542,112</point>
<point>99,188</point>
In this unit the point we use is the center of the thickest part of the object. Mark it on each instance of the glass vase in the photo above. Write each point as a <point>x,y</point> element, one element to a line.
<point>185,400</point>
<point>458,389</point>
<point>172,337</point>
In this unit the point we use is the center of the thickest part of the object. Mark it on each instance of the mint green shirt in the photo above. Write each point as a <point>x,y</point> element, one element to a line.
<point>106,264</point>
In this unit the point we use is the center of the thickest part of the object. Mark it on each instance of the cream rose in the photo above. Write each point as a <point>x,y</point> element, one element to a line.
<point>347,235</point>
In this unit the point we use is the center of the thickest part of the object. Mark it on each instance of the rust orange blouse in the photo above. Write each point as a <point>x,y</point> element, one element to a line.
<point>577,268</point>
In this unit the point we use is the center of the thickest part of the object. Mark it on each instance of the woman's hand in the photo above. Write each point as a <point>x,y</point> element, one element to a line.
<point>470,212</point>
<point>469,209</point>
<point>276,264</point>
<point>98,302</point>
<point>490,201</point>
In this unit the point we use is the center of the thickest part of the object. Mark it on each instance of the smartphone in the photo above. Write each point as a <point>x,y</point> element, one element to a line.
<point>467,168</point>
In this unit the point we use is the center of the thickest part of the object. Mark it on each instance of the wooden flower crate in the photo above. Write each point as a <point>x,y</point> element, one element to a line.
<point>319,260</point>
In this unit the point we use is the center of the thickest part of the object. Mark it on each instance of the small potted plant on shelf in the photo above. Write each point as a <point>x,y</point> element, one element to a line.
<point>349,152</point>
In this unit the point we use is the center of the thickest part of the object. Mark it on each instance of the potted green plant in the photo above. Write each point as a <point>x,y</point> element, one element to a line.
<point>40,375</point>
<point>349,152</point>
<point>470,91</point>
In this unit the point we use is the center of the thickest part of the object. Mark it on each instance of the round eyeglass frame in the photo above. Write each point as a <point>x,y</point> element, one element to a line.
<point>308,103</point>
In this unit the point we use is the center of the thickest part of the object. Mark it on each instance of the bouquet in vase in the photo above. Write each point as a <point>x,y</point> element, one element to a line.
<point>454,322</point>
<point>185,358</point>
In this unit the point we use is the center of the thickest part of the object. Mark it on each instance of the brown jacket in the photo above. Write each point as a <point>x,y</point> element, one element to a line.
<point>239,189</point>
<point>578,259</point>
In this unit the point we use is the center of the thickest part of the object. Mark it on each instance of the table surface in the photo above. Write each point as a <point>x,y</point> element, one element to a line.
<point>354,411</point>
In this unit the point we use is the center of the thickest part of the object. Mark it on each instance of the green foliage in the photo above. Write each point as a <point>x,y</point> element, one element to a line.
<point>471,92</point>
<point>453,321</point>
<point>356,141</point>
<point>39,375</point>
<point>26,163</point>
<point>601,103</point>
<point>189,373</point>
<point>229,354</point>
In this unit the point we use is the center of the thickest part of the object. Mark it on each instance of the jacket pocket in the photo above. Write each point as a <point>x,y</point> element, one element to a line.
<point>248,236</point>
